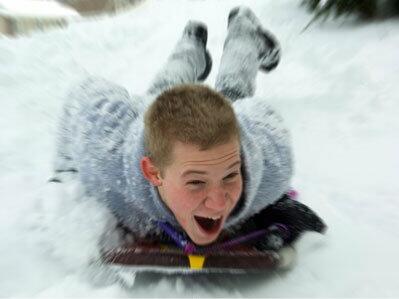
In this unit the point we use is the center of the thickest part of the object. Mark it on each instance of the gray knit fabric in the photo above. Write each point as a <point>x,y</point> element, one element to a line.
<point>185,64</point>
<point>101,136</point>
<point>247,48</point>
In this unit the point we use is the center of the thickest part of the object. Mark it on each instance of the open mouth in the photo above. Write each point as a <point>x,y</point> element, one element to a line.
<point>209,224</point>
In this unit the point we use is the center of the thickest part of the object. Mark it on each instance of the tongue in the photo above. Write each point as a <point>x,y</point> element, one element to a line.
<point>207,224</point>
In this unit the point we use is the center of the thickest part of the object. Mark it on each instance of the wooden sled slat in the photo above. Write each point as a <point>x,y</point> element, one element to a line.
<point>152,256</point>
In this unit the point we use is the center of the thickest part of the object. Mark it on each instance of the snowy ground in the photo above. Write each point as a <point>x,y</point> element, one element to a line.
<point>336,86</point>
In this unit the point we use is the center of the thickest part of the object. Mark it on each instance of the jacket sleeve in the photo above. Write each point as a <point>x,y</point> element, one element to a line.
<point>97,114</point>
<point>267,150</point>
<point>92,104</point>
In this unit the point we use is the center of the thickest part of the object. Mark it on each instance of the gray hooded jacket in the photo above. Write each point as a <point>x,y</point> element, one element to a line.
<point>102,138</point>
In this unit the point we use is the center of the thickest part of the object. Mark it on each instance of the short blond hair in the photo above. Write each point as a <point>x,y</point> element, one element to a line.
<point>192,114</point>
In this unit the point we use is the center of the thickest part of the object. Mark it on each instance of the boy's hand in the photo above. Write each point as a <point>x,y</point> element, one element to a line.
<point>286,220</point>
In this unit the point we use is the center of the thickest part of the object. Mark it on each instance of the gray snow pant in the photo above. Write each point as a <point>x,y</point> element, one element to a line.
<point>237,71</point>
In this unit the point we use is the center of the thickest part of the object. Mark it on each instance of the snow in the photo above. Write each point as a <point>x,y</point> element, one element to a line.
<point>36,8</point>
<point>336,87</point>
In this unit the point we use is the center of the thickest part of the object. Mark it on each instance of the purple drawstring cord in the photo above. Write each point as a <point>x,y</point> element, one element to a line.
<point>236,241</point>
<point>190,248</point>
<point>180,241</point>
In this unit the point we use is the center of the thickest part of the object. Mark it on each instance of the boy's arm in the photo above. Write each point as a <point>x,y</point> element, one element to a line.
<point>269,140</point>
<point>267,153</point>
<point>268,129</point>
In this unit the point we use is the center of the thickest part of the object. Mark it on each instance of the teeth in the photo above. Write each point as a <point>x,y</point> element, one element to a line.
<point>214,217</point>
<point>211,217</point>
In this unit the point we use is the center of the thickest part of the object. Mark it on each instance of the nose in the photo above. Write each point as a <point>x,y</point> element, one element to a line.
<point>216,199</point>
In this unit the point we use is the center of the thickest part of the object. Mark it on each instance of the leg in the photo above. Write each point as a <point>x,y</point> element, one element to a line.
<point>189,61</point>
<point>248,47</point>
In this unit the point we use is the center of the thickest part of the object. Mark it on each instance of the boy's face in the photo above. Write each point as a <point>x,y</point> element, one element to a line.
<point>201,188</point>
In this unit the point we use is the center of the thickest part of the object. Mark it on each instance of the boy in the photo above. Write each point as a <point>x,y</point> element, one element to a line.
<point>202,160</point>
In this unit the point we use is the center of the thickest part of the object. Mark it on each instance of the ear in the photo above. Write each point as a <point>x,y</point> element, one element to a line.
<point>150,171</point>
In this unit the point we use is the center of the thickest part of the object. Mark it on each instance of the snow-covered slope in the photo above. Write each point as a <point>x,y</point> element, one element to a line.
<point>336,86</point>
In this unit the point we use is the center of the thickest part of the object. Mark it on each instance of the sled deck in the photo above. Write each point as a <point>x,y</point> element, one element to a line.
<point>161,258</point>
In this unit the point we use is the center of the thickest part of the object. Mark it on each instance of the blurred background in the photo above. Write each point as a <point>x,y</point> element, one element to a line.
<point>25,16</point>
<point>336,87</point>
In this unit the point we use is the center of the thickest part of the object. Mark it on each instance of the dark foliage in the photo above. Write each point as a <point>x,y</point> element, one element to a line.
<point>364,9</point>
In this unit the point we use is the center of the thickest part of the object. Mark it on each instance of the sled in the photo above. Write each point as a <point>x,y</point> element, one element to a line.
<point>154,257</point>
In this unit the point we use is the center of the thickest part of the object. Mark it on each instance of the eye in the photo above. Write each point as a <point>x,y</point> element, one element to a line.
<point>231,176</point>
<point>195,183</point>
